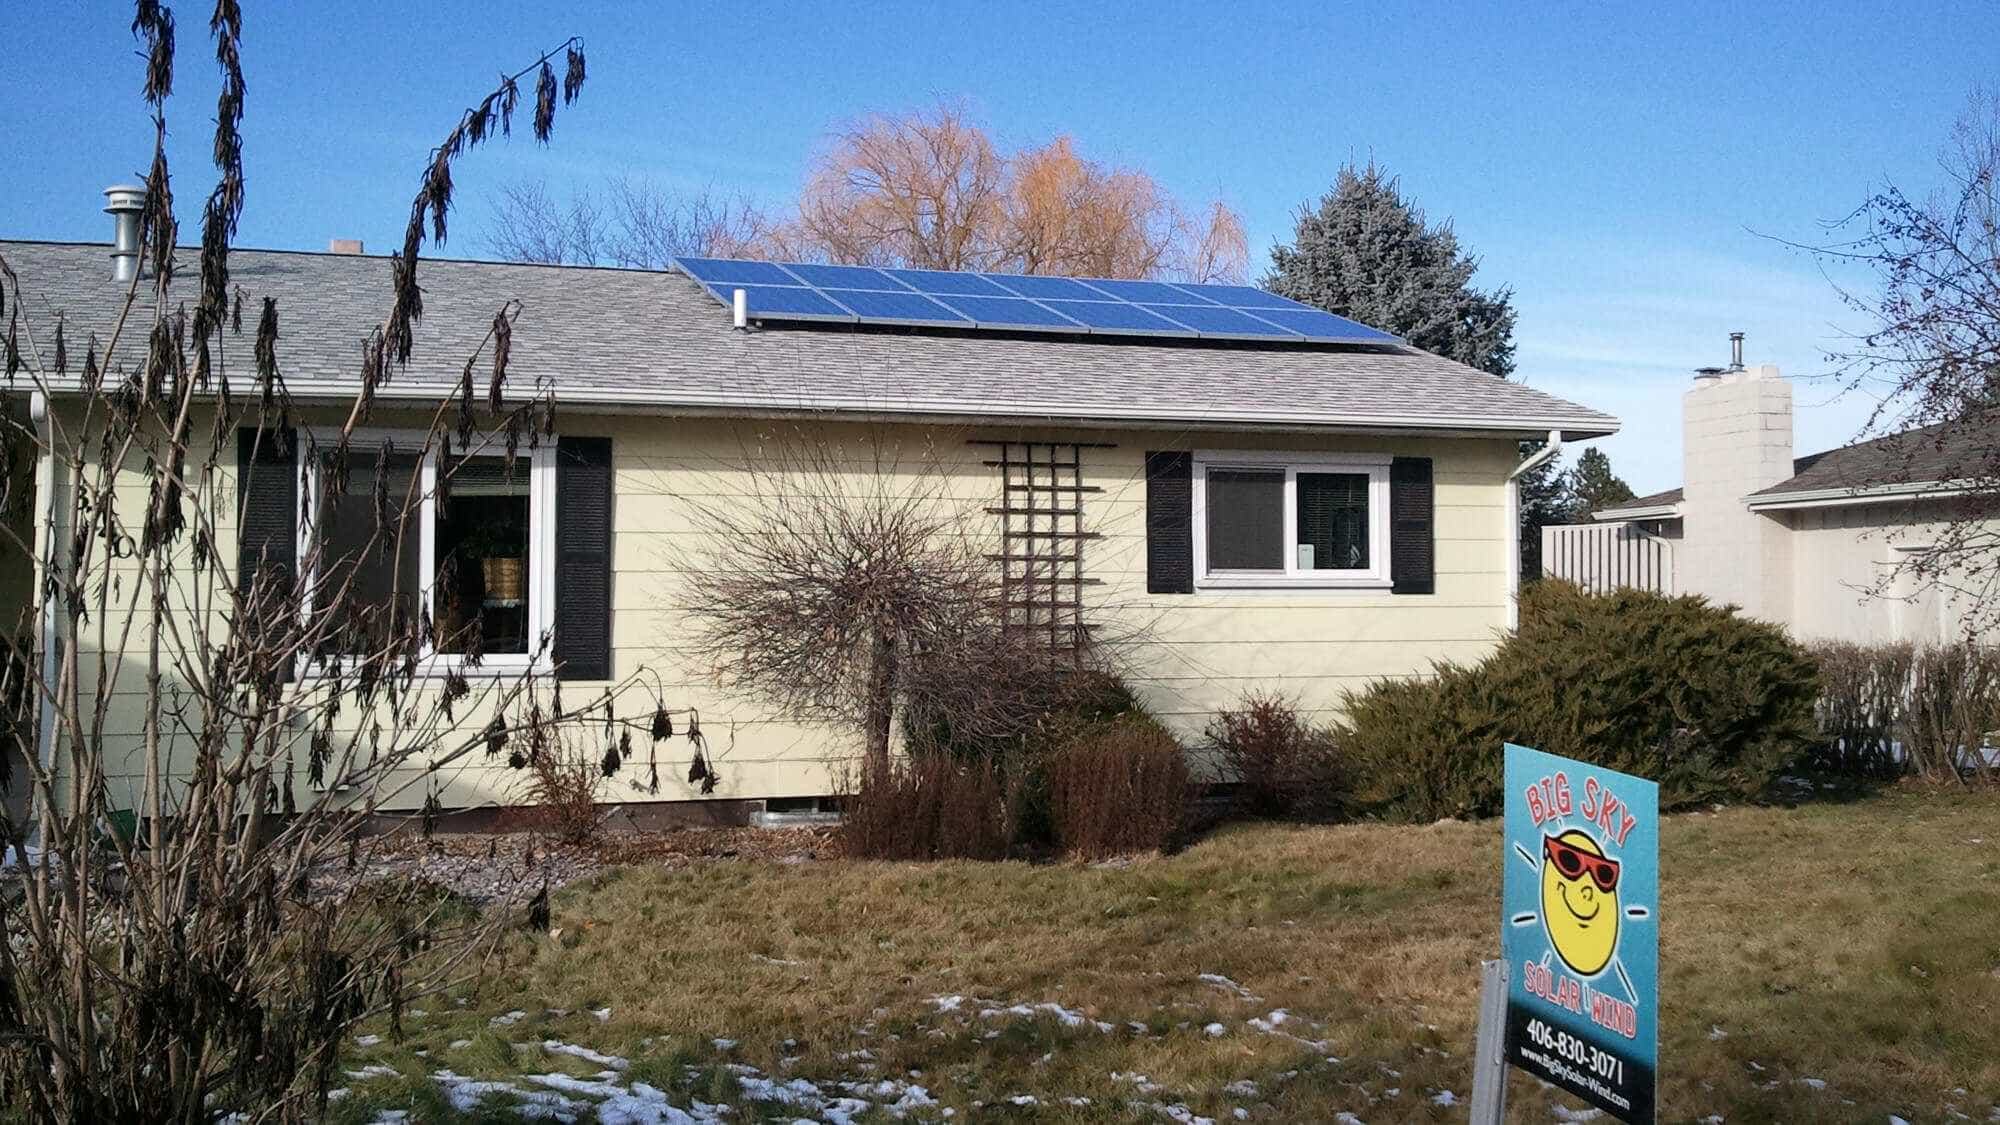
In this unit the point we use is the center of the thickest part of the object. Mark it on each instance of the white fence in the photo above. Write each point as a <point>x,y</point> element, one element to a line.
<point>1602,556</point>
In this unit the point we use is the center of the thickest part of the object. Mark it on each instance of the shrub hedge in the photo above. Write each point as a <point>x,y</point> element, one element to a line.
<point>1707,702</point>
<point>1122,786</point>
<point>1284,767</point>
<point>1928,709</point>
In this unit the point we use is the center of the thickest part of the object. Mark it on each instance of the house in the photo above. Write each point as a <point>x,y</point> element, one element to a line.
<point>1816,543</point>
<point>1275,508</point>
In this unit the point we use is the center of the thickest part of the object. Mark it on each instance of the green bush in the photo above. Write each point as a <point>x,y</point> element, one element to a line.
<point>1708,703</point>
<point>1121,786</point>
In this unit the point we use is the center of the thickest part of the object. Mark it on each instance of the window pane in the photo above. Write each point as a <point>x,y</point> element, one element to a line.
<point>368,572</point>
<point>483,583</point>
<point>1333,521</point>
<point>1246,519</point>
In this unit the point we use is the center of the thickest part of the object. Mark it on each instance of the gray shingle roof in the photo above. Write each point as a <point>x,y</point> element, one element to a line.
<point>1651,500</point>
<point>1925,455</point>
<point>638,337</point>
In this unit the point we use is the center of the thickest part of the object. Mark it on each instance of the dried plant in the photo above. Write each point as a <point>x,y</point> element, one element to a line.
<point>1283,765</point>
<point>200,733</point>
<point>853,582</point>
<point>928,807</point>
<point>1118,787</point>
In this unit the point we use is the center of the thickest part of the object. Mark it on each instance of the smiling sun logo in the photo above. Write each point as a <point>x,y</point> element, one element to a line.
<point>1580,900</point>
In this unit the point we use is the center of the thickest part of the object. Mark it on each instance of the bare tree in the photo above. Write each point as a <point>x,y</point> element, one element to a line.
<point>932,190</point>
<point>1932,352</point>
<point>853,582</point>
<point>632,223</point>
<point>218,728</point>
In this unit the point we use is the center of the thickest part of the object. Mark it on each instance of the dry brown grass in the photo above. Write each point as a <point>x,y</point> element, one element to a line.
<point>1854,944</point>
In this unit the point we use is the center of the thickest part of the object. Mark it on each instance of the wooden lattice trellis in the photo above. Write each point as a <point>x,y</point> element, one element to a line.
<point>1042,534</point>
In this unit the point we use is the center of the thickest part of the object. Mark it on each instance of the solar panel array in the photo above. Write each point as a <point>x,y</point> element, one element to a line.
<point>787,291</point>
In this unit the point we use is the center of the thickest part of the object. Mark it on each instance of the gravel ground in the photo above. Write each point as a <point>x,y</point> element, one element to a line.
<point>507,867</point>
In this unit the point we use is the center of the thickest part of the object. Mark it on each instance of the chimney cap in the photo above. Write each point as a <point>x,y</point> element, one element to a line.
<point>119,198</point>
<point>343,246</point>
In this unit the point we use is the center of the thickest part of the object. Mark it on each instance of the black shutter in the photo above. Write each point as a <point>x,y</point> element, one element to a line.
<point>583,559</point>
<point>1412,526</point>
<point>267,517</point>
<point>1169,523</point>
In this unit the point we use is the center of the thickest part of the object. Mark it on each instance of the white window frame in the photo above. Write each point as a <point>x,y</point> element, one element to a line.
<point>541,465</point>
<point>1374,576</point>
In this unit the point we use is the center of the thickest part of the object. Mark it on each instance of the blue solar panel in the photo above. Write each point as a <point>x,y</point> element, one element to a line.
<point>1145,292</point>
<point>1319,325</point>
<point>1117,316</point>
<point>727,271</point>
<point>848,277</point>
<point>1213,320</point>
<point>1240,296</point>
<point>908,307</point>
<point>1007,312</point>
<point>780,291</point>
<point>943,281</point>
<point>1045,288</point>
<point>792,301</point>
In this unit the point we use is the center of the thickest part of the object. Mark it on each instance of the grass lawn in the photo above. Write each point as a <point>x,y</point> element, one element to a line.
<point>1829,962</point>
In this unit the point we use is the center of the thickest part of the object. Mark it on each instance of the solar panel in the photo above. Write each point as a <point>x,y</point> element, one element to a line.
<point>1045,288</point>
<point>1213,320</point>
<point>848,277</point>
<point>728,271</point>
<point>1325,327</point>
<point>1239,296</point>
<point>1008,312</point>
<point>935,282</point>
<point>791,302</point>
<point>1145,292</point>
<point>903,307</point>
<point>1118,317</point>
<point>781,291</point>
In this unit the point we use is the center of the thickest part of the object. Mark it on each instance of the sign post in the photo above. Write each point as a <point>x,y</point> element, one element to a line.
<point>1580,931</point>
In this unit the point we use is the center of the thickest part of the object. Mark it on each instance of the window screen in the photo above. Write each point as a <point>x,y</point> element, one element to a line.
<point>1246,519</point>
<point>1333,521</point>
<point>483,582</point>
<point>369,573</point>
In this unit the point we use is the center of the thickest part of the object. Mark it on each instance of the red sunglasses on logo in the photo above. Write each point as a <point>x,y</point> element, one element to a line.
<point>1573,861</point>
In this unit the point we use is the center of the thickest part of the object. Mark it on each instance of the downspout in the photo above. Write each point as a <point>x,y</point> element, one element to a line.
<point>45,618</point>
<point>1528,464</point>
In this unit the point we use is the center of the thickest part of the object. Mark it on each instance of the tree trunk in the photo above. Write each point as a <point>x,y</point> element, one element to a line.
<point>881,698</point>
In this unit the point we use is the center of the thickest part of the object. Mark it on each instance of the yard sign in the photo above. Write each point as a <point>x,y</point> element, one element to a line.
<point>1580,929</point>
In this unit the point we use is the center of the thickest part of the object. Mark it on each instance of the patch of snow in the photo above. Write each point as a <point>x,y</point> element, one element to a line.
<point>1717,1033</point>
<point>1215,1031</point>
<point>601,1015</point>
<point>1815,1083</point>
<point>508,1020</point>
<point>1243,1088</point>
<point>1445,1097</point>
<point>376,1071</point>
<point>367,1040</point>
<point>724,1044</point>
<point>558,1047</point>
<point>1227,985</point>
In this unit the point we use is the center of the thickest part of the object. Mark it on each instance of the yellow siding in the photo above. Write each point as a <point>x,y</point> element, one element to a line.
<point>1199,652</point>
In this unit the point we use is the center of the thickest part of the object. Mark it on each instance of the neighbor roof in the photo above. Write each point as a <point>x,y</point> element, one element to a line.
<point>1656,503</point>
<point>1910,461</point>
<point>1927,455</point>
<point>655,339</point>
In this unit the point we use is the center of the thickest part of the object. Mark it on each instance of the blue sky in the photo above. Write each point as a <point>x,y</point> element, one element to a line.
<point>1624,173</point>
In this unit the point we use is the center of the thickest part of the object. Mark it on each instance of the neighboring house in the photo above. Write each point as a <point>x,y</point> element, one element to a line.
<point>1268,511</point>
<point>1815,543</point>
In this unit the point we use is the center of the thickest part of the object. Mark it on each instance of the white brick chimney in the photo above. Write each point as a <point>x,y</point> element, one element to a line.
<point>1736,437</point>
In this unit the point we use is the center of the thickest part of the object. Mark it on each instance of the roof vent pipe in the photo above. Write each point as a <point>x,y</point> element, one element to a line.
<point>124,202</point>
<point>739,308</point>
<point>1736,351</point>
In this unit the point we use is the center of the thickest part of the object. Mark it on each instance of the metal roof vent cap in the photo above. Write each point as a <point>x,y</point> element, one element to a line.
<point>124,203</point>
<point>1736,351</point>
<point>1706,375</point>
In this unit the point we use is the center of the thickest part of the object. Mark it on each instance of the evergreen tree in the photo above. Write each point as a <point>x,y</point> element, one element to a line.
<point>1592,485</point>
<point>1367,253</point>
